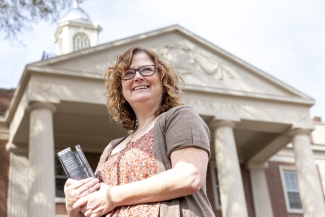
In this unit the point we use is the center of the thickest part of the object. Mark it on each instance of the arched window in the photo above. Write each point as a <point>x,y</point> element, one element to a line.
<point>80,41</point>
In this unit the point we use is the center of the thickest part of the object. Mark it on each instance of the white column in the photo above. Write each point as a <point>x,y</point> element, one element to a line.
<point>261,196</point>
<point>309,184</point>
<point>233,203</point>
<point>18,189</point>
<point>41,200</point>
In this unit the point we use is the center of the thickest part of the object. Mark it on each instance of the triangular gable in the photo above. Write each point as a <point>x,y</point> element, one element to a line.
<point>202,65</point>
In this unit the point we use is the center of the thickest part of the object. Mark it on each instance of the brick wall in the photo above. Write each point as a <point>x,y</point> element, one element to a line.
<point>5,98</point>
<point>4,177</point>
<point>60,208</point>
<point>273,177</point>
<point>93,159</point>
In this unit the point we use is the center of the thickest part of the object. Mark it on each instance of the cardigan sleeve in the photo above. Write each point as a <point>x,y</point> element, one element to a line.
<point>185,128</point>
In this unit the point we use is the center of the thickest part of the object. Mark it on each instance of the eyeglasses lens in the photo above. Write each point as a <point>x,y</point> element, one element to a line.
<point>144,71</point>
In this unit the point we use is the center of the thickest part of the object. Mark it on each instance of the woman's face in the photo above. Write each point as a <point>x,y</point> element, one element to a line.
<point>142,89</point>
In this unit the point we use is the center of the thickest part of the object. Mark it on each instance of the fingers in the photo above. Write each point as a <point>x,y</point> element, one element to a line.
<point>95,215</point>
<point>80,188</point>
<point>88,182</point>
<point>81,202</point>
<point>93,188</point>
<point>88,187</point>
<point>83,209</point>
<point>92,213</point>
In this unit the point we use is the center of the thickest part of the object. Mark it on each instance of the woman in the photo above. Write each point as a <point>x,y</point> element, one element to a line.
<point>159,168</point>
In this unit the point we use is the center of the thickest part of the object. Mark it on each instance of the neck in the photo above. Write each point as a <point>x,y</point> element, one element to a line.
<point>145,114</point>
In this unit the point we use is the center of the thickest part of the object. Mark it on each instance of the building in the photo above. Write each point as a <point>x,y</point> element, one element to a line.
<point>264,163</point>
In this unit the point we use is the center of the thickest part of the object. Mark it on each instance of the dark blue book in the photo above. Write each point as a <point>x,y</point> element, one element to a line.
<point>75,163</point>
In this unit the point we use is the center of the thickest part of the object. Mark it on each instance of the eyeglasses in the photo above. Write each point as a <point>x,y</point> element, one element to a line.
<point>145,70</point>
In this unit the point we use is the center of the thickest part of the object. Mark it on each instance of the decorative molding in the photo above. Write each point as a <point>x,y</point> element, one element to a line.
<point>45,86</point>
<point>182,54</point>
<point>302,117</point>
<point>4,135</point>
<point>59,200</point>
<point>298,131</point>
<point>215,105</point>
<point>13,148</point>
<point>257,165</point>
<point>214,124</point>
<point>41,105</point>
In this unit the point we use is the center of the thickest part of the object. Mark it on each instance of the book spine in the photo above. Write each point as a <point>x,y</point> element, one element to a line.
<point>84,160</point>
<point>71,165</point>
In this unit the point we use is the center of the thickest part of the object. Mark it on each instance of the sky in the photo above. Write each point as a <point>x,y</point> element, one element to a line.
<point>285,39</point>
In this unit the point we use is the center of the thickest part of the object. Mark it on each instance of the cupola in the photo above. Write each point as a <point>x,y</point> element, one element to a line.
<point>76,31</point>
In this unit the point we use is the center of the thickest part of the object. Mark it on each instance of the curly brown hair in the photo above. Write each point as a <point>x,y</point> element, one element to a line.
<point>116,104</point>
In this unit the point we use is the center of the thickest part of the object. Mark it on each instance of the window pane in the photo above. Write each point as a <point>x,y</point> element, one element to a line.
<point>80,41</point>
<point>217,186</point>
<point>59,183</point>
<point>294,200</point>
<point>292,189</point>
<point>291,181</point>
<point>60,171</point>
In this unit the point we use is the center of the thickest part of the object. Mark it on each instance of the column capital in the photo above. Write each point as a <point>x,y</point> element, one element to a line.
<point>299,131</point>
<point>214,123</point>
<point>12,148</point>
<point>45,105</point>
<point>257,165</point>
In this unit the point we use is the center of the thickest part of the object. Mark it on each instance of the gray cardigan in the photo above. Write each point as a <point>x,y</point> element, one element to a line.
<point>178,128</point>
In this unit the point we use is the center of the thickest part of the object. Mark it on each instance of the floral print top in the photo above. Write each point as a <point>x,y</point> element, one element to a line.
<point>134,163</point>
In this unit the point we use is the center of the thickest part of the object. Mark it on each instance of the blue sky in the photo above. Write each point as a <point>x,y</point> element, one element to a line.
<point>285,39</point>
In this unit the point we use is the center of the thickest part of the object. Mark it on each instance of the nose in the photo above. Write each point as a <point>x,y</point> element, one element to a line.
<point>137,75</point>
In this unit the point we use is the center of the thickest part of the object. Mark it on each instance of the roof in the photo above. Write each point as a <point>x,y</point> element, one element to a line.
<point>76,14</point>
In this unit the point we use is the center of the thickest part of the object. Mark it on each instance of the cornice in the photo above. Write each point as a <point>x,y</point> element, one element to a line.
<point>259,96</point>
<point>98,76</point>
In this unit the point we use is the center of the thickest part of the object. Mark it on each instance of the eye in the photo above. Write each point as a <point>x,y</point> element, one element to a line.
<point>129,72</point>
<point>147,69</point>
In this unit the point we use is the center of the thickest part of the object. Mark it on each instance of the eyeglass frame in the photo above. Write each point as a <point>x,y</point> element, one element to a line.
<point>155,67</point>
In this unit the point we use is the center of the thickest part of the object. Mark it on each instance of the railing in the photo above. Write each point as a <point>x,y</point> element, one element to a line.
<point>47,55</point>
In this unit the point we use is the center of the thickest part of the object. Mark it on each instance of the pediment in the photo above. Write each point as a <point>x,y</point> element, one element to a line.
<point>202,65</point>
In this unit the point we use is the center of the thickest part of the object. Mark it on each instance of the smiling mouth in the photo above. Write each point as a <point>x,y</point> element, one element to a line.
<point>141,87</point>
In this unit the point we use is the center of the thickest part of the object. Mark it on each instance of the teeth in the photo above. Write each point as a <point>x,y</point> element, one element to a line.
<point>140,87</point>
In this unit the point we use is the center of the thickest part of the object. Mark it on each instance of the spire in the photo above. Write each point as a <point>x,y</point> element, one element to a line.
<point>75,3</point>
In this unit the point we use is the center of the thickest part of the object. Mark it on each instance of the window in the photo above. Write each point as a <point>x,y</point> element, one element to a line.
<point>291,189</point>
<point>80,41</point>
<point>60,178</point>
<point>215,184</point>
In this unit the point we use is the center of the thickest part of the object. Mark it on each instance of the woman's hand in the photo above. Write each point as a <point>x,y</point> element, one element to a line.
<point>74,190</point>
<point>98,203</point>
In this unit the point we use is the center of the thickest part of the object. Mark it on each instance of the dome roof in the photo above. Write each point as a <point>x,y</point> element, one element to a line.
<point>76,14</point>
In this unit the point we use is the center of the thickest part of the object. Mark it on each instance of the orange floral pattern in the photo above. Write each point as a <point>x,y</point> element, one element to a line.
<point>134,163</point>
